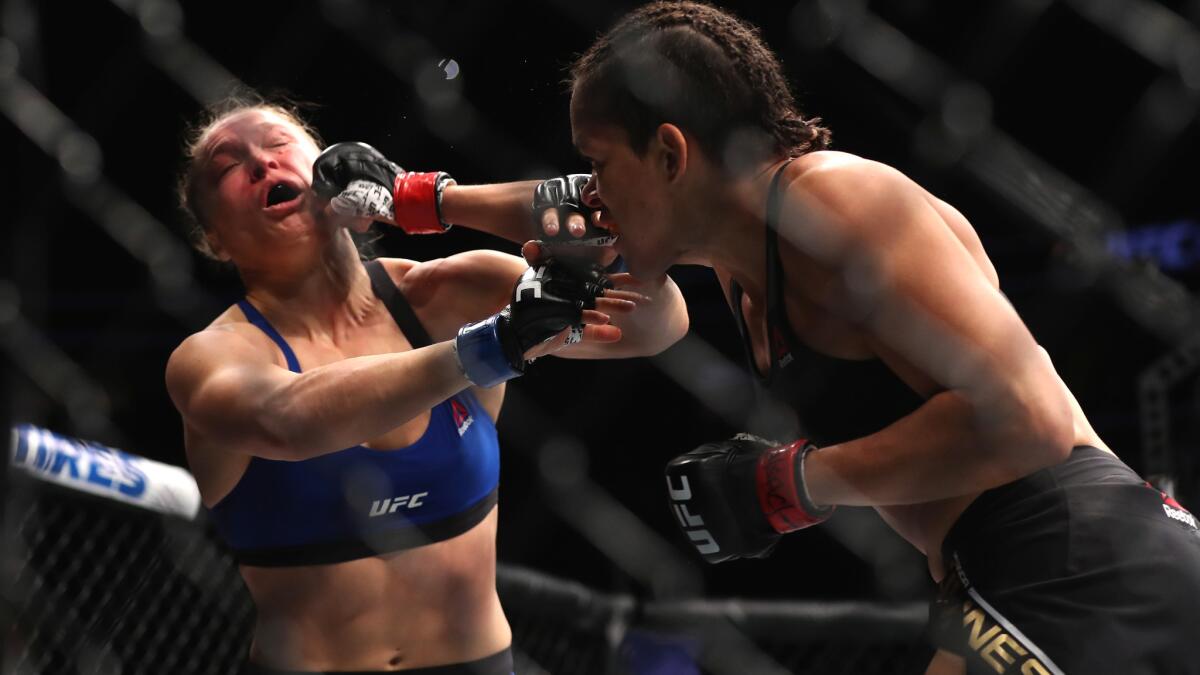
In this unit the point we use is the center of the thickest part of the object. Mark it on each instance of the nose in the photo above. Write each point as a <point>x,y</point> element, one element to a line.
<point>259,163</point>
<point>591,194</point>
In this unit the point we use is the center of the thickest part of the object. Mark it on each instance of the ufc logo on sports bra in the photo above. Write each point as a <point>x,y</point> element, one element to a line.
<point>381,506</point>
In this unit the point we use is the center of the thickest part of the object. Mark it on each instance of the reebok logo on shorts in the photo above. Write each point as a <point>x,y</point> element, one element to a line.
<point>1175,510</point>
<point>1181,515</point>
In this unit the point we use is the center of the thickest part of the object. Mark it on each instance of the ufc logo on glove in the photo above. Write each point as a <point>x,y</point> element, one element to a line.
<point>533,283</point>
<point>691,524</point>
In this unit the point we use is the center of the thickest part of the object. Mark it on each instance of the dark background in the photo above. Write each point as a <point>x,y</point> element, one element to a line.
<point>1065,131</point>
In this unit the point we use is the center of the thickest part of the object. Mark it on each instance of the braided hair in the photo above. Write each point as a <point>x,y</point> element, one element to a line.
<point>700,68</point>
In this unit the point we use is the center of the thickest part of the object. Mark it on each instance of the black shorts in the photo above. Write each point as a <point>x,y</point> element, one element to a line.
<point>1079,568</point>
<point>500,663</point>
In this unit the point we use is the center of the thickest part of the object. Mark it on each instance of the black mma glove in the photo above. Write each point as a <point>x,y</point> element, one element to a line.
<point>547,299</point>
<point>359,181</point>
<point>565,195</point>
<point>734,498</point>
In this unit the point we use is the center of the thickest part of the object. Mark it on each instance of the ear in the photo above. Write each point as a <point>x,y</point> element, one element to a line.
<point>674,148</point>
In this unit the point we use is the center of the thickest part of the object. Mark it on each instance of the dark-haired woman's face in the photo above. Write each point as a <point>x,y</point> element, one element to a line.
<point>634,196</point>
<point>256,167</point>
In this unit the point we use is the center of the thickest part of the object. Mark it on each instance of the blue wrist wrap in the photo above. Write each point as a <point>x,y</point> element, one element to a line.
<point>481,355</point>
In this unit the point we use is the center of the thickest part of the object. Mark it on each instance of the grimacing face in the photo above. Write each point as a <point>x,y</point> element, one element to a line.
<point>255,167</point>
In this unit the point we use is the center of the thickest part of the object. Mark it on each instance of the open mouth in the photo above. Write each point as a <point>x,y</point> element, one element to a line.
<point>281,193</point>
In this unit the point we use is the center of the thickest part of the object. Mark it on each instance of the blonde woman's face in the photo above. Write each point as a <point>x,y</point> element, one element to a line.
<point>256,170</point>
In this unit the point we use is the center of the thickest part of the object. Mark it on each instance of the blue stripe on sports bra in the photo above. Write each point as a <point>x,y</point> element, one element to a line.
<point>255,317</point>
<point>360,502</point>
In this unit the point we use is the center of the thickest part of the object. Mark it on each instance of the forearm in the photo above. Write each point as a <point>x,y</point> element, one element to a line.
<point>657,323</point>
<point>502,209</point>
<point>351,401</point>
<point>941,450</point>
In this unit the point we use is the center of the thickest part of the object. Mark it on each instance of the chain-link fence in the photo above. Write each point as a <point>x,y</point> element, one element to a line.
<point>939,90</point>
<point>562,627</point>
<point>105,590</point>
<point>96,586</point>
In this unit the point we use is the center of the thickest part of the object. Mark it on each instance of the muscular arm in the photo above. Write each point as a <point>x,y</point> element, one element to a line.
<point>469,286</point>
<point>998,413</point>
<point>660,320</point>
<point>502,209</point>
<point>230,391</point>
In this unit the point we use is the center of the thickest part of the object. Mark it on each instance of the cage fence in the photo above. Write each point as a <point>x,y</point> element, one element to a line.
<point>111,569</point>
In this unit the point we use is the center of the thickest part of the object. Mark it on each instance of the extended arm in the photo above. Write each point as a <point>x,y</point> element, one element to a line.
<point>230,391</point>
<point>645,318</point>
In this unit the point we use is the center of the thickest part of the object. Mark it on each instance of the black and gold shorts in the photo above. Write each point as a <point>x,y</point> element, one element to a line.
<point>1079,568</point>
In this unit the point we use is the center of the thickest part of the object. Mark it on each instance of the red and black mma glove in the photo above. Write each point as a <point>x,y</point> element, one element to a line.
<point>565,195</point>
<point>734,498</point>
<point>359,181</point>
<point>547,299</point>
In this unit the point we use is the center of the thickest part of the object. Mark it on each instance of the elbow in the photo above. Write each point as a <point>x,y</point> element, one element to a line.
<point>1043,436</point>
<point>674,332</point>
<point>663,341</point>
<point>1052,437</point>
<point>1052,422</point>
<point>674,323</point>
<point>675,328</point>
<point>680,326</point>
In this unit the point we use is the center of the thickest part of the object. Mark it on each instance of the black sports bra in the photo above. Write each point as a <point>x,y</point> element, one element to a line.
<point>834,400</point>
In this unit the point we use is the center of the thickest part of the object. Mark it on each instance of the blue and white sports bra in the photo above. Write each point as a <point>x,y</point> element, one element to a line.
<point>360,502</point>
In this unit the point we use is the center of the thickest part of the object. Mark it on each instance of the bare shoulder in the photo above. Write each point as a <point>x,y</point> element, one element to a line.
<point>836,203</point>
<point>210,377</point>
<point>448,292</point>
<point>410,276</point>
<point>470,264</point>
<point>847,183</point>
<point>421,281</point>
<point>228,340</point>
<point>487,269</point>
<point>397,268</point>
<point>863,202</point>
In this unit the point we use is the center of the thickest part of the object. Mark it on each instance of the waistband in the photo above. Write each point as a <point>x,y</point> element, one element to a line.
<point>500,663</point>
<point>1087,469</point>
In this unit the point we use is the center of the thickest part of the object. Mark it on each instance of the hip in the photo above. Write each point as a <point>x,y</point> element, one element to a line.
<point>1081,567</point>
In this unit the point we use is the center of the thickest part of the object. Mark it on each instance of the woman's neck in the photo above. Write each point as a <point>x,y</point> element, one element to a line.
<point>734,233</point>
<point>319,299</point>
